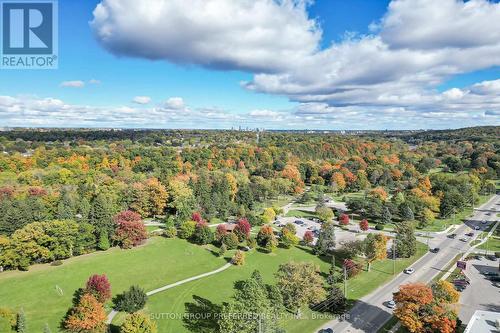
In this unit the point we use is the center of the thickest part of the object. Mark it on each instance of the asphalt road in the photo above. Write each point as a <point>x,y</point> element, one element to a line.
<point>369,314</point>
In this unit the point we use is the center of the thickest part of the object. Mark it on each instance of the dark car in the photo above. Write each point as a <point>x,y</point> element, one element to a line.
<point>460,288</point>
<point>435,250</point>
<point>491,257</point>
<point>490,273</point>
<point>326,330</point>
<point>470,234</point>
<point>452,236</point>
<point>494,278</point>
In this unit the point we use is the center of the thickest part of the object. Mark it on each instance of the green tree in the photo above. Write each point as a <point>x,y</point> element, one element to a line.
<point>300,284</point>
<point>131,300</point>
<point>406,242</point>
<point>138,323</point>
<point>101,215</point>
<point>103,243</point>
<point>386,215</point>
<point>21,322</point>
<point>326,239</point>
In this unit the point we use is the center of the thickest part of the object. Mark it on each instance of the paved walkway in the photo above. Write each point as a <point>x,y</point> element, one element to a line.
<point>113,313</point>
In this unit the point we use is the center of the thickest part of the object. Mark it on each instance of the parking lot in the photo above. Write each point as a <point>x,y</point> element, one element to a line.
<point>481,294</point>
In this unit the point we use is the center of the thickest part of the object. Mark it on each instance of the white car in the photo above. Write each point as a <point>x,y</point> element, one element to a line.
<point>464,239</point>
<point>391,304</point>
<point>477,227</point>
<point>409,270</point>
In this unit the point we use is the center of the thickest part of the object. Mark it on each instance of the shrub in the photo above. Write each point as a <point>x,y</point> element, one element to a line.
<point>242,229</point>
<point>239,258</point>
<point>99,287</point>
<point>288,239</point>
<point>103,243</point>
<point>222,250</point>
<point>9,316</point>
<point>308,237</point>
<point>21,322</point>
<point>171,232</point>
<point>352,268</point>
<point>379,226</point>
<point>187,229</point>
<point>202,234</point>
<point>138,323</point>
<point>344,219</point>
<point>251,242</point>
<point>131,300</point>
<point>363,225</point>
<point>220,232</point>
<point>231,241</point>
<point>56,263</point>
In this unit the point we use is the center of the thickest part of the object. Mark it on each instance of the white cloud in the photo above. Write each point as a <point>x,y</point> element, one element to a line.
<point>94,81</point>
<point>390,76</point>
<point>73,84</point>
<point>141,99</point>
<point>175,103</point>
<point>255,35</point>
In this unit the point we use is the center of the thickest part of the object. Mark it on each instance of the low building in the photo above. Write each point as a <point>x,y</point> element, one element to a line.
<point>484,322</point>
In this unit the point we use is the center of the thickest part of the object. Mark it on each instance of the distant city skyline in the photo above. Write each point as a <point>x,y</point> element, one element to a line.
<point>289,64</point>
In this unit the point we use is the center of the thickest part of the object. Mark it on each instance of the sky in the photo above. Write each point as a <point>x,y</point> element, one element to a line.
<point>273,64</point>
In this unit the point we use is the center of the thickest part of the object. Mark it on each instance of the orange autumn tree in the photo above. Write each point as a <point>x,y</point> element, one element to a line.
<point>87,316</point>
<point>421,310</point>
<point>410,301</point>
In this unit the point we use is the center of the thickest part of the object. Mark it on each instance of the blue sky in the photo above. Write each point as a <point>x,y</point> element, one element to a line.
<point>333,64</point>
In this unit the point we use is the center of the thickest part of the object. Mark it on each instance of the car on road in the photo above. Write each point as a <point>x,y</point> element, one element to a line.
<point>483,221</point>
<point>391,304</point>
<point>409,270</point>
<point>497,284</point>
<point>326,330</point>
<point>435,250</point>
<point>452,236</point>
<point>469,234</point>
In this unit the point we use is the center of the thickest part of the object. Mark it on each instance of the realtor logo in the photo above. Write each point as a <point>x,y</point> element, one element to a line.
<point>29,34</point>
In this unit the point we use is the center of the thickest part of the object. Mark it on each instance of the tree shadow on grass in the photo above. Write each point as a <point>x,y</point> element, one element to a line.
<point>201,315</point>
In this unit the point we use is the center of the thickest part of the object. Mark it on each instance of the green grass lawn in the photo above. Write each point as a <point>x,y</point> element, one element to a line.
<point>155,264</point>
<point>301,213</point>
<point>492,244</point>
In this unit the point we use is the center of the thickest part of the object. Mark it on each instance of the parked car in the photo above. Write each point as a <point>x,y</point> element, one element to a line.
<point>477,227</point>
<point>483,221</point>
<point>452,236</point>
<point>494,278</point>
<point>435,250</point>
<point>299,222</point>
<point>409,270</point>
<point>470,234</point>
<point>460,288</point>
<point>491,257</point>
<point>326,330</point>
<point>464,239</point>
<point>391,304</point>
<point>487,273</point>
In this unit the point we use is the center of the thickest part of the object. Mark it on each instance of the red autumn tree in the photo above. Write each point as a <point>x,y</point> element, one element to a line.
<point>363,225</point>
<point>308,237</point>
<point>344,219</point>
<point>99,287</point>
<point>351,267</point>
<point>242,229</point>
<point>220,232</point>
<point>130,231</point>
<point>127,216</point>
<point>196,216</point>
<point>87,316</point>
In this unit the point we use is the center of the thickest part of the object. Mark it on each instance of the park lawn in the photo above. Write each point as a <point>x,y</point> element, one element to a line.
<point>301,213</point>
<point>166,307</point>
<point>492,244</point>
<point>161,261</point>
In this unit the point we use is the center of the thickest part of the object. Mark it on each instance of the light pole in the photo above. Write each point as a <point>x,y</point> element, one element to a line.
<point>394,256</point>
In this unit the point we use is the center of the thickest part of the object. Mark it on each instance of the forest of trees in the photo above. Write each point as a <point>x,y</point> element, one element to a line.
<point>61,192</point>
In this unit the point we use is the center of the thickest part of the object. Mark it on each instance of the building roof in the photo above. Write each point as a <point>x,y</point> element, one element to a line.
<point>484,322</point>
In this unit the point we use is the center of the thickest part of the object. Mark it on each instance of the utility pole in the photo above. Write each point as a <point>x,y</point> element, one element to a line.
<point>394,256</point>
<point>345,281</point>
